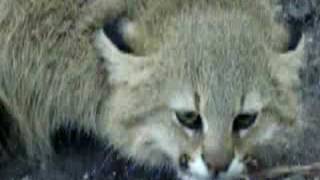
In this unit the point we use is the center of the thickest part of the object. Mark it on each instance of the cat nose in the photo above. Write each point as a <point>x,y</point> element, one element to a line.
<point>218,168</point>
<point>219,162</point>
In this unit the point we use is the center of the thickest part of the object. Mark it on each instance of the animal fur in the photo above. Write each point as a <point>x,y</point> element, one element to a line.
<point>48,71</point>
<point>222,51</point>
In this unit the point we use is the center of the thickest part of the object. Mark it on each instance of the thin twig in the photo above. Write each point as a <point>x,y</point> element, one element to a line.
<point>312,169</point>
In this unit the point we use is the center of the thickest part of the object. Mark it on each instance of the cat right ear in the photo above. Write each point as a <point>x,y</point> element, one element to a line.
<point>123,68</point>
<point>285,67</point>
<point>285,73</point>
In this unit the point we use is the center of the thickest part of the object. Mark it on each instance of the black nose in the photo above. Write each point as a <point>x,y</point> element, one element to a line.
<point>218,161</point>
<point>222,168</point>
<point>217,169</point>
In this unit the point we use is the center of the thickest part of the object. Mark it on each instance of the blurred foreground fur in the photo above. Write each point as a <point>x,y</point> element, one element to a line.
<point>50,78</point>
<point>48,75</point>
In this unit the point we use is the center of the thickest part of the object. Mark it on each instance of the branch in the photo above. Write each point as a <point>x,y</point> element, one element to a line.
<point>308,170</point>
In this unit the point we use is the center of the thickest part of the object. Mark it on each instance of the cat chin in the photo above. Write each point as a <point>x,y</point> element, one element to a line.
<point>199,172</point>
<point>189,176</point>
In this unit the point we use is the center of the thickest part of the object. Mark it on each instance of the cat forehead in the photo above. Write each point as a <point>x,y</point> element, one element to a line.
<point>182,98</point>
<point>253,102</point>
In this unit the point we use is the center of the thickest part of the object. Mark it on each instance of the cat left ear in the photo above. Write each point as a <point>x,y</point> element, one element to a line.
<point>123,68</point>
<point>285,67</point>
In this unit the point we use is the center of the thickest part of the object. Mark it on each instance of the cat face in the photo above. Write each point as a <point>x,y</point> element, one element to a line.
<point>200,105</point>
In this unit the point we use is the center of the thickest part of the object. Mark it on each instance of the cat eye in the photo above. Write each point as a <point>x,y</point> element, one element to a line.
<point>244,121</point>
<point>190,119</point>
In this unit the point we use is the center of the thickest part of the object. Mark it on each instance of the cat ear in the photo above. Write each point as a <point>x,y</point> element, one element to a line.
<point>285,67</point>
<point>122,67</point>
<point>285,73</point>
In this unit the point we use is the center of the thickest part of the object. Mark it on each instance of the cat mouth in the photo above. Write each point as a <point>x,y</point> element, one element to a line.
<point>236,169</point>
<point>239,168</point>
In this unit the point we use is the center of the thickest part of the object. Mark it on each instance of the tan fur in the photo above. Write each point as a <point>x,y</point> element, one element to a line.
<point>227,53</point>
<point>48,70</point>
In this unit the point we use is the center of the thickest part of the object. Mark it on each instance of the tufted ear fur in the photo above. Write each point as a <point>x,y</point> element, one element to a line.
<point>285,73</point>
<point>123,68</point>
<point>285,67</point>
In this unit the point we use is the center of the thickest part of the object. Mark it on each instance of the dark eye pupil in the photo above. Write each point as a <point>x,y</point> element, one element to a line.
<point>190,119</point>
<point>243,121</point>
